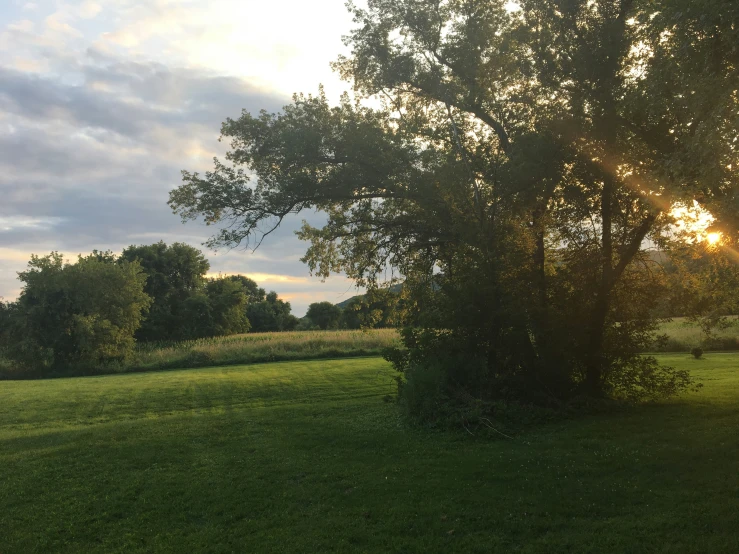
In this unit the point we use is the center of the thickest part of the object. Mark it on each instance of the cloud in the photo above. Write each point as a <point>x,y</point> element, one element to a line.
<point>24,26</point>
<point>103,103</point>
<point>10,223</point>
<point>83,168</point>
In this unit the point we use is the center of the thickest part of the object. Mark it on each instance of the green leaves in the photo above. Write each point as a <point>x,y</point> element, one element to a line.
<point>78,315</point>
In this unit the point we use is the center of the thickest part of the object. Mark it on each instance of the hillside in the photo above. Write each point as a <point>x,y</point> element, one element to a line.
<point>344,303</point>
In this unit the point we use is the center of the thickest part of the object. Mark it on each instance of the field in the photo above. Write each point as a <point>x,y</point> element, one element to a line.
<point>244,349</point>
<point>683,335</point>
<point>262,347</point>
<point>310,345</point>
<point>251,348</point>
<point>307,457</point>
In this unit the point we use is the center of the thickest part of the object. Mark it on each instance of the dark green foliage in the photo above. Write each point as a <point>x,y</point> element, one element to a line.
<point>219,309</point>
<point>271,314</point>
<point>697,353</point>
<point>187,305</point>
<point>377,309</point>
<point>174,273</point>
<point>228,300</point>
<point>73,315</point>
<point>324,314</point>
<point>83,317</point>
<point>253,291</point>
<point>513,173</point>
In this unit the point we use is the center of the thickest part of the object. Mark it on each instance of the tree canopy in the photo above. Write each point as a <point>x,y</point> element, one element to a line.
<point>513,168</point>
<point>174,274</point>
<point>189,305</point>
<point>270,313</point>
<point>324,314</point>
<point>73,314</point>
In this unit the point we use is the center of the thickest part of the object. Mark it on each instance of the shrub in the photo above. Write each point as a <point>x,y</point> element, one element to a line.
<point>697,353</point>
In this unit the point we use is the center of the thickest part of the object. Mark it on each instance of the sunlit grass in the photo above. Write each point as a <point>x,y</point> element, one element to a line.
<point>307,457</point>
<point>262,347</point>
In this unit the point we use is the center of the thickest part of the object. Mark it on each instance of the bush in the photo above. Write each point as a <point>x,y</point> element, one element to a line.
<point>445,379</point>
<point>437,373</point>
<point>697,353</point>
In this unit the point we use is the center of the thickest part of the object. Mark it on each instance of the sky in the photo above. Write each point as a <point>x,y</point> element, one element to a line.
<point>103,103</point>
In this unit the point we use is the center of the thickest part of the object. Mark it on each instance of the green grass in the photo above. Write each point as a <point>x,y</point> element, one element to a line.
<point>261,347</point>
<point>306,457</point>
<point>242,349</point>
<point>683,335</point>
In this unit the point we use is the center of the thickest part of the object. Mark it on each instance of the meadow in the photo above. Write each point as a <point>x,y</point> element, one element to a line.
<point>244,349</point>
<point>682,336</point>
<point>261,347</point>
<point>309,457</point>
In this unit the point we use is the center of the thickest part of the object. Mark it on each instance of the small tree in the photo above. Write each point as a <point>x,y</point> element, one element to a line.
<point>324,314</point>
<point>75,315</point>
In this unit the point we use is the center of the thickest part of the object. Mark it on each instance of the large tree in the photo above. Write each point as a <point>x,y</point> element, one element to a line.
<point>218,309</point>
<point>519,162</point>
<point>270,314</point>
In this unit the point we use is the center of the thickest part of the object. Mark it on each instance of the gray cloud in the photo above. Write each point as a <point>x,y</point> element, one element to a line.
<point>128,97</point>
<point>94,147</point>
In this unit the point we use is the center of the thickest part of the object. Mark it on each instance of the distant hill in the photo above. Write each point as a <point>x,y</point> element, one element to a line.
<point>344,303</point>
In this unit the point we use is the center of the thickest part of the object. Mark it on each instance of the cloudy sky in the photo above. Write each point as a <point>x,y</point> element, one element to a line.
<point>102,103</point>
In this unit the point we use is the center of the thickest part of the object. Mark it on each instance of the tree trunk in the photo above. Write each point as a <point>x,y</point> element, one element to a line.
<point>594,357</point>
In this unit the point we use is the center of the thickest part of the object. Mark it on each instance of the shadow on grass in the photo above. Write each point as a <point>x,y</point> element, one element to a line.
<point>319,474</point>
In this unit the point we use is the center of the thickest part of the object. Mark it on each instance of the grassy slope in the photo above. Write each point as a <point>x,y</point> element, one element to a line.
<point>305,457</point>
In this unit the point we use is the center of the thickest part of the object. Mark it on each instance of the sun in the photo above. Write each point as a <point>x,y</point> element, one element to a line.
<point>713,238</point>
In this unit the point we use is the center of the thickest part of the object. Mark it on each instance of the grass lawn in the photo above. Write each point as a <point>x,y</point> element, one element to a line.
<point>306,457</point>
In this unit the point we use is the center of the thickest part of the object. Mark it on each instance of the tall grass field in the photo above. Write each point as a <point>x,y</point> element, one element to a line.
<point>262,347</point>
<point>682,336</point>
<point>245,349</point>
<point>308,457</point>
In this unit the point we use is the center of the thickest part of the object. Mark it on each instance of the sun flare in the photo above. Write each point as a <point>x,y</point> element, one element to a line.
<point>692,223</point>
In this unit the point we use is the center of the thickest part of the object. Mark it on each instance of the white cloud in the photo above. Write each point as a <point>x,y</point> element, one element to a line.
<point>13,223</point>
<point>24,25</point>
<point>282,45</point>
<point>56,23</point>
<point>88,9</point>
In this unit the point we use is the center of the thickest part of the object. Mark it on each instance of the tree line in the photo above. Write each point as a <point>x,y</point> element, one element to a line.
<point>79,315</point>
